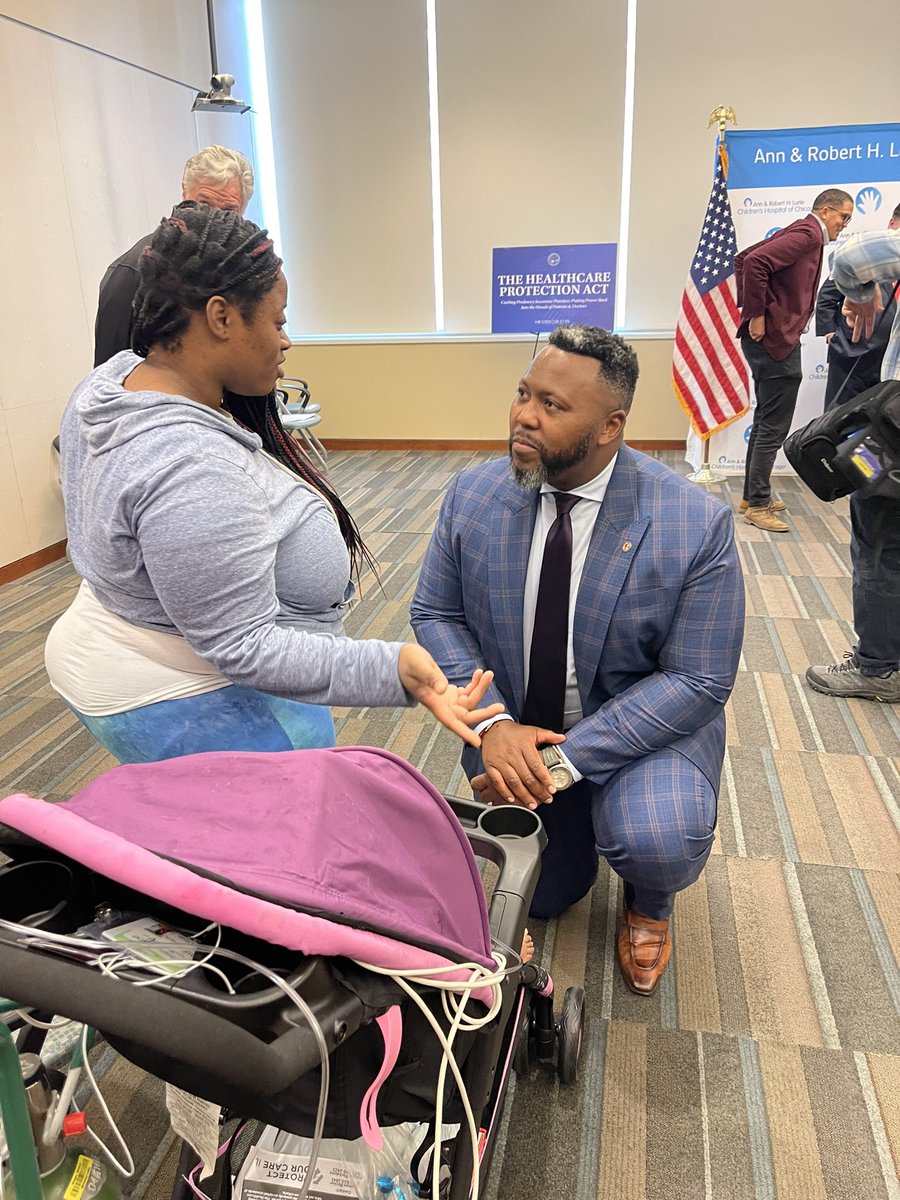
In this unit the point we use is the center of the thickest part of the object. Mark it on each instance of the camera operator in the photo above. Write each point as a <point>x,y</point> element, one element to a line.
<point>871,670</point>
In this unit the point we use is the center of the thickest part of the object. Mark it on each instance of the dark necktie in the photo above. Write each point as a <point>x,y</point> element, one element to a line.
<point>545,701</point>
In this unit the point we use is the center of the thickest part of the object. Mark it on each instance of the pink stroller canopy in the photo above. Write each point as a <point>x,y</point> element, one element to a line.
<point>345,851</point>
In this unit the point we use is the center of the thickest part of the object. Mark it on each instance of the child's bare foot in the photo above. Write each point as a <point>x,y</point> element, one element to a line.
<point>527,952</point>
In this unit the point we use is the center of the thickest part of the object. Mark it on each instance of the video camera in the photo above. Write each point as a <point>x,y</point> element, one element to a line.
<point>854,446</point>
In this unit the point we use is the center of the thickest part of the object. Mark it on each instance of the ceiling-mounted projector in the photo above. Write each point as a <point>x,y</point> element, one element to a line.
<point>219,97</point>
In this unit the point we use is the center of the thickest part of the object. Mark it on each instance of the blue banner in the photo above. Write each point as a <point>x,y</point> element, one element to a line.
<point>536,288</point>
<point>828,156</point>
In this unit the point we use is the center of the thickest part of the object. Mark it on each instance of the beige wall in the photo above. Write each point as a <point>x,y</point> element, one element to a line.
<point>454,391</point>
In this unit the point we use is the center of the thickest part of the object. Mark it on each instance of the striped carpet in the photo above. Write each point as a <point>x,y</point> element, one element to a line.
<point>768,1063</point>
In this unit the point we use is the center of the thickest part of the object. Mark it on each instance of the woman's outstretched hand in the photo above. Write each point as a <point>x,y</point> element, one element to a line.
<point>455,707</point>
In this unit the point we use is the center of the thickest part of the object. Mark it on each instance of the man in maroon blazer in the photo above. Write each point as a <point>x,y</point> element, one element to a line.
<point>777,280</point>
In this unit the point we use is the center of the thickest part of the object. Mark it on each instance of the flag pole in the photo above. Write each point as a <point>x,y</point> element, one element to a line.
<point>705,474</point>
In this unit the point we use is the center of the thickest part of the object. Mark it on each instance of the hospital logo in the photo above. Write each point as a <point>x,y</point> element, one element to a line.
<point>820,374</point>
<point>553,259</point>
<point>774,229</point>
<point>747,202</point>
<point>868,200</point>
<point>747,433</point>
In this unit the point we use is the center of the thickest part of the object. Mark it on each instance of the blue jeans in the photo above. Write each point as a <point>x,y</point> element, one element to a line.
<point>232,718</point>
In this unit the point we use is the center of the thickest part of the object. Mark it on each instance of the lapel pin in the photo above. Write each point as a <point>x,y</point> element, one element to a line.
<point>626,546</point>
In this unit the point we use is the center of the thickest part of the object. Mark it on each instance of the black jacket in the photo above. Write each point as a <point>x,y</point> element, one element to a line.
<point>112,328</point>
<point>869,350</point>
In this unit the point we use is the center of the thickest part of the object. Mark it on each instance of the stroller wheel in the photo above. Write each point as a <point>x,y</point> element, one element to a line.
<point>523,1054</point>
<point>571,1034</point>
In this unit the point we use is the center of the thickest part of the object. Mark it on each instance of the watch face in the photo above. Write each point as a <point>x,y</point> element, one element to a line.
<point>561,776</point>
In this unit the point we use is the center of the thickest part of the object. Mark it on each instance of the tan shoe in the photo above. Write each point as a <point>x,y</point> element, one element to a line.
<point>764,518</point>
<point>643,948</point>
<point>774,505</point>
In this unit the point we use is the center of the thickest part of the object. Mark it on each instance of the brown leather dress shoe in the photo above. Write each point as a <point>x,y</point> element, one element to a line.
<point>643,949</point>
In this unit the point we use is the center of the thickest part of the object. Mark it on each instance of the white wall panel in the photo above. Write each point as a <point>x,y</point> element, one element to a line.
<point>42,311</point>
<point>349,100</point>
<point>93,152</point>
<point>531,103</point>
<point>122,170</point>
<point>167,36</point>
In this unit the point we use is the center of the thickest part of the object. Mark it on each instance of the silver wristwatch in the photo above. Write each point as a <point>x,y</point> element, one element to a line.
<point>559,772</point>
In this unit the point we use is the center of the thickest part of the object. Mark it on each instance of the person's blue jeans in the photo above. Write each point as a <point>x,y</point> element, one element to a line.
<point>875,557</point>
<point>231,718</point>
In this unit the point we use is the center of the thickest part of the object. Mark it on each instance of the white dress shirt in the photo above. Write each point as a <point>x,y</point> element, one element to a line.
<point>583,517</point>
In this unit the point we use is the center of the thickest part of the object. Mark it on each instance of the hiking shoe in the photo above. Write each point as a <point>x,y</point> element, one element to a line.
<point>764,518</point>
<point>773,506</point>
<point>846,679</point>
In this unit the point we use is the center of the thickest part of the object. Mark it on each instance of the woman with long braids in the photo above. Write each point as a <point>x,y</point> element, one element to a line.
<point>216,561</point>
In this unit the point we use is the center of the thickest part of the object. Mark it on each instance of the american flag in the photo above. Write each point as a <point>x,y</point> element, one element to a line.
<point>708,371</point>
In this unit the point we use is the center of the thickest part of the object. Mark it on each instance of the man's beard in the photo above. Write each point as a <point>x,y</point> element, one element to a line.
<point>551,465</point>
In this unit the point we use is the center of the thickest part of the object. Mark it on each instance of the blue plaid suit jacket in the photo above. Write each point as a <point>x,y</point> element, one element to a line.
<point>659,615</point>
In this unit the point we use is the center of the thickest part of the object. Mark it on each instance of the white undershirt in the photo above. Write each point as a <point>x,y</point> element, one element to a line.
<point>583,516</point>
<point>101,664</point>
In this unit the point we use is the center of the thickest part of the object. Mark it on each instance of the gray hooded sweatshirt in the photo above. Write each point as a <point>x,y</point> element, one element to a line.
<point>180,523</point>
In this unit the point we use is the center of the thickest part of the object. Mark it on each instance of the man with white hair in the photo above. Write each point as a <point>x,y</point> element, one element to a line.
<point>216,176</point>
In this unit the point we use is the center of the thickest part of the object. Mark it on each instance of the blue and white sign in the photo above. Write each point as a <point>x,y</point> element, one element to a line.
<point>829,156</point>
<point>536,288</point>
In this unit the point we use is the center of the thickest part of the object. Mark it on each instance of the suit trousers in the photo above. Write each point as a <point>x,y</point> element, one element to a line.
<point>875,556</point>
<point>776,385</point>
<point>653,822</point>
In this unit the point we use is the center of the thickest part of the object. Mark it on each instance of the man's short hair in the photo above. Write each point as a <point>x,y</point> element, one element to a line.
<point>219,165</point>
<point>831,198</point>
<point>618,362</point>
<point>895,215</point>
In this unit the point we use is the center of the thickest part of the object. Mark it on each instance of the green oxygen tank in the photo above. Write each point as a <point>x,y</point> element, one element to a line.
<point>65,1174</point>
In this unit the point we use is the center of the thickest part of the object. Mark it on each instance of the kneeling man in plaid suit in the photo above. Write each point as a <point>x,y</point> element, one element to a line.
<point>605,593</point>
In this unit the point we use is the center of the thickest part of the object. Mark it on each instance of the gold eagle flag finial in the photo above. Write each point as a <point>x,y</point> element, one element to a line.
<point>721,116</point>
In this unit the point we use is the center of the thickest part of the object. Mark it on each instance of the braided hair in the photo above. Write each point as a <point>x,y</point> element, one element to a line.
<point>197,253</point>
<point>200,252</point>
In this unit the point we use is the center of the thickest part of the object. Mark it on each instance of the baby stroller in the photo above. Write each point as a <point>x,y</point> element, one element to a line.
<point>350,887</point>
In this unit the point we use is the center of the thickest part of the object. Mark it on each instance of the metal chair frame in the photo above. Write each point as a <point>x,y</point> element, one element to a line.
<point>298,416</point>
